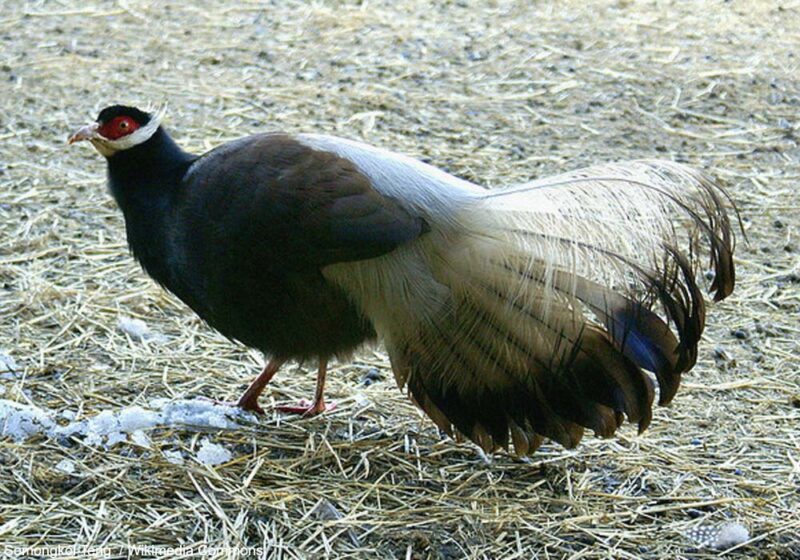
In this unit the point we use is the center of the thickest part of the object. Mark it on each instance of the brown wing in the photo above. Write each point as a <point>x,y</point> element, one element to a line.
<point>277,199</point>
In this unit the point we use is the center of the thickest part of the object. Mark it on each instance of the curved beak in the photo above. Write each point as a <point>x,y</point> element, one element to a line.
<point>85,133</point>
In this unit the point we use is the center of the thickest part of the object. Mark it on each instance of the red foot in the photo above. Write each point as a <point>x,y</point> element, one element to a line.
<point>307,408</point>
<point>250,406</point>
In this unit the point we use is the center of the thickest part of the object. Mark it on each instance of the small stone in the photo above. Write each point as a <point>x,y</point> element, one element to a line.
<point>741,334</point>
<point>721,354</point>
<point>371,376</point>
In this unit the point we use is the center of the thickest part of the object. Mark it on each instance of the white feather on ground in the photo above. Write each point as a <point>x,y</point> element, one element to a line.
<point>138,330</point>
<point>720,537</point>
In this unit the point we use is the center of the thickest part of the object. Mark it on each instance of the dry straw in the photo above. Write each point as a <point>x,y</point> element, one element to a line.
<point>497,92</point>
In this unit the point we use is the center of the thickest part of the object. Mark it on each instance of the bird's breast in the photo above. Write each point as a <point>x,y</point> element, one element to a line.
<point>289,315</point>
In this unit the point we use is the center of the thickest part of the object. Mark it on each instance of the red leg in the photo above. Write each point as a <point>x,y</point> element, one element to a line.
<point>318,406</point>
<point>249,399</point>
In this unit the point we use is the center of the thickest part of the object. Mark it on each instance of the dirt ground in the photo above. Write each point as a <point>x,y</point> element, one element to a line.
<point>497,92</point>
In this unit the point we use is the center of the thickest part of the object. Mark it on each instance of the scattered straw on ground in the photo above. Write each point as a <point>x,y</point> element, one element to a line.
<point>497,92</point>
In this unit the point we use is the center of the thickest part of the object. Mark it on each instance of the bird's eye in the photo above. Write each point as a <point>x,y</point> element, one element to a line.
<point>123,125</point>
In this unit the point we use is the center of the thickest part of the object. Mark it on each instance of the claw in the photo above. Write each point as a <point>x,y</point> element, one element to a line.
<point>248,405</point>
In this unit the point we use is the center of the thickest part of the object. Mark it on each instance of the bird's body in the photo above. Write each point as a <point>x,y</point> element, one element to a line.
<point>224,244</point>
<point>516,315</point>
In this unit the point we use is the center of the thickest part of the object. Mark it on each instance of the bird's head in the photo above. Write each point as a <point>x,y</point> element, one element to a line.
<point>118,128</point>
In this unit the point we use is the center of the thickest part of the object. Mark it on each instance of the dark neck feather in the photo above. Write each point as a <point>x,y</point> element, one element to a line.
<point>148,171</point>
<point>145,181</point>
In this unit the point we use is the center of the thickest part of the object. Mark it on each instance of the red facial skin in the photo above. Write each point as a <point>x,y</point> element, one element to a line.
<point>118,127</point>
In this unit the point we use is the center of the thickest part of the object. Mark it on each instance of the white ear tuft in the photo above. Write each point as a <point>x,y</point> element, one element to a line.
<point>158,113</point>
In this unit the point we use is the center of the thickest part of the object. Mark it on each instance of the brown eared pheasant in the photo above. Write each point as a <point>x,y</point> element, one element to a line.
<point>509,315</point>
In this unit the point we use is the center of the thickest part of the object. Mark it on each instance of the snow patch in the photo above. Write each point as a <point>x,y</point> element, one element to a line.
<point>22,421</point>
<point>66,466</point>
<point>199,413</point>
<point>135,418</point>
<point>174,457</point>
<point>140,438</point>
<point>8,366</point>
<point>7,363</point>
<point>213,454</point>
